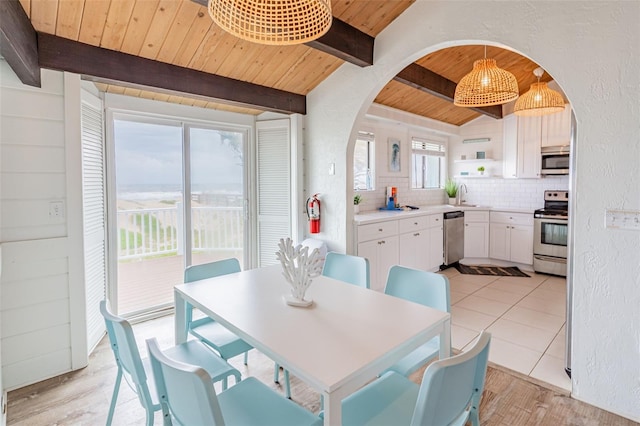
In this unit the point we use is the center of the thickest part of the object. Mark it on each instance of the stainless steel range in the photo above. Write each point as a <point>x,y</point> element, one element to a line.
<point>550,226</point>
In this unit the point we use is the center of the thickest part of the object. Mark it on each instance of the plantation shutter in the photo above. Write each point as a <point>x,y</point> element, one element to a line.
<point>428,147</point>
<point>273,187</point>
<point>93,203</point>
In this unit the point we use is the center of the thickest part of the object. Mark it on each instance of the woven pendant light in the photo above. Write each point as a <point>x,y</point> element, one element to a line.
<point>486,85</point>
<point>539,100</point>
<point>273,22</point>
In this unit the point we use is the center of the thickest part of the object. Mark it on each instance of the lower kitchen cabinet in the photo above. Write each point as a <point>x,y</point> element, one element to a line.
<point>436,242</point>
<point>379,243</point>
<point>476,234</point>
<point>511,237</point>
<point>415,242</point>
<point>382,255</point>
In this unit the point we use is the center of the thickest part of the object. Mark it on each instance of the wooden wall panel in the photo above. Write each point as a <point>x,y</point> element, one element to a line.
<point>32,318</point>
<point>23,292</point>
<point>25,131</point>
<point>36,369</point>
<point>47,106</point>
<point>34,186</point>
<point>32,159</point>
<point>35,307</point>
<point>32,156</point>
<point>36,344</point>
<point>34,285</point>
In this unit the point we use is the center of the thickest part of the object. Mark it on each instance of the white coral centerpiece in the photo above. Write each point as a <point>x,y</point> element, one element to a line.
<point>299,269</point>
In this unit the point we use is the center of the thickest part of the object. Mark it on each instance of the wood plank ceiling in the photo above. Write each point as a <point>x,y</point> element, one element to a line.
<point>180,32</point>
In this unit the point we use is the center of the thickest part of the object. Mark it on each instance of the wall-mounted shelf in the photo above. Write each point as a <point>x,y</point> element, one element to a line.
<point>475,160</point>
<point>476,176</point>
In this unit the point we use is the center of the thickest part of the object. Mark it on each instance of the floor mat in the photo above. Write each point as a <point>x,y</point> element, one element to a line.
<point>502,271</point>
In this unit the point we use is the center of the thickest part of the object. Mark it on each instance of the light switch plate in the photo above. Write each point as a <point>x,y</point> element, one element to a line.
<point>623,219</point>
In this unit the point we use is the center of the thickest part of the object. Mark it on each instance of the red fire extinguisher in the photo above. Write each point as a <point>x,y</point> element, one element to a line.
<point>313,213</point>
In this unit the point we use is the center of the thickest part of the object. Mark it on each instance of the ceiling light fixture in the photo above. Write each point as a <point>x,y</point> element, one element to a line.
<point>273,22</point>
<point>486,85</point>
<point>539,100</point>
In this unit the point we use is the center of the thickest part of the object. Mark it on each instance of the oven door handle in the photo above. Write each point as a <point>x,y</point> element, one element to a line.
<point>553,221</point>
<point>550,258</point>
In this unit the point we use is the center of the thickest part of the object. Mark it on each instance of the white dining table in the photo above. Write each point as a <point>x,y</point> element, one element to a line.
<point>346,338</point>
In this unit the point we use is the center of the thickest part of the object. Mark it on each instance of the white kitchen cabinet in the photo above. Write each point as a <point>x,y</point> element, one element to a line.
<point>414,242</point>
<point>529,142</point>
<point>521,147</point>
<point>476,234</point>
<point>436,242</point>
<point>511,237</point>
<point>556,128</point>
<point>524,136</point>
<point>522,244</point>
<point>379,243</point>
<point>510,146</point>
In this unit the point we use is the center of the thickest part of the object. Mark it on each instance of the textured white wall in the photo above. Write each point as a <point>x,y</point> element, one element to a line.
<point>593,51</point>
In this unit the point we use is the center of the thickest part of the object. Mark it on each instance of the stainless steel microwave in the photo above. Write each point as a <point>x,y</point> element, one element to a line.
<point>555,160</point>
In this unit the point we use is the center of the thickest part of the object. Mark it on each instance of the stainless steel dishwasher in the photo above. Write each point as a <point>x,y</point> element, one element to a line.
<point>453,237</point>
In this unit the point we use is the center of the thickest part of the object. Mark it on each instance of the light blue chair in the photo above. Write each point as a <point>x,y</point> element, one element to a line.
<point>450,393</point>
<point>227,344</point>
<point>343,267</point>
<point>128,361</point>
<point>347,268</point>
<point>188,398</point>
<point>429,289</point>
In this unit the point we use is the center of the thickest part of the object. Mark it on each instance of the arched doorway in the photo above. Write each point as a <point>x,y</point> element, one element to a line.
<point>605,114</point>
<point>515,310</point>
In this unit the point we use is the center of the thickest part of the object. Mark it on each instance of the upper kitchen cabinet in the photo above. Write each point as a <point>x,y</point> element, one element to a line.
<point>524,136</point>
<point>521,150</point>
<point>556,128</point>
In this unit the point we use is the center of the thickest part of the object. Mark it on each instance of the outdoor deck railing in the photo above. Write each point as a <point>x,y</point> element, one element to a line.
<point>158,231</point>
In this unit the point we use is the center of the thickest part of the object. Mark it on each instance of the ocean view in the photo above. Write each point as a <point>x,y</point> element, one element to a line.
<point>156,192</point>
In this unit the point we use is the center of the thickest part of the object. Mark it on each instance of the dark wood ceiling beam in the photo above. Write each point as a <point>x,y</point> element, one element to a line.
<point>18,42</point>
<point>109,66</point>
<point>342,41</point>
<point>426,80</point>
<point>347,43</point>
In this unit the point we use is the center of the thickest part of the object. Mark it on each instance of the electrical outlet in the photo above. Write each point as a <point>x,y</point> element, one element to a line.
<point>623,219</point>
<point>56,211</point>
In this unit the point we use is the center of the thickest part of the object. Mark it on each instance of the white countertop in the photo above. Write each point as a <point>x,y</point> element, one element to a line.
<point>384,215</point>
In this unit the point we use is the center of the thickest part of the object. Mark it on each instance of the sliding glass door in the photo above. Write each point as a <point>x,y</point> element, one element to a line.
<point>160,231</point>
<point>216,199</point>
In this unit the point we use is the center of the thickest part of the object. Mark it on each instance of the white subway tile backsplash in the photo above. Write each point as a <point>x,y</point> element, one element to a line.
<point>494,192</point>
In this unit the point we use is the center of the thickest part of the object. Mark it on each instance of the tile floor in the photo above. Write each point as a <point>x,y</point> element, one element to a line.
<point>526,317</point>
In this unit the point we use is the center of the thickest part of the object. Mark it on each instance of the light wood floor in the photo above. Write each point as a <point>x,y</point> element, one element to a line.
<point>82,397</point>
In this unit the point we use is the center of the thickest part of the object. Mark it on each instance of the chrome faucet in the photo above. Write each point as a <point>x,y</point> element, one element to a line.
<point>460,194</point>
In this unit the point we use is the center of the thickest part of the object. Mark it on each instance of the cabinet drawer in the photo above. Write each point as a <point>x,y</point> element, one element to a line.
<point>413,224</point>
<point>435,220</point>
<point>476,216</point>
<point>373,231</point>
<point>512,218</point>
